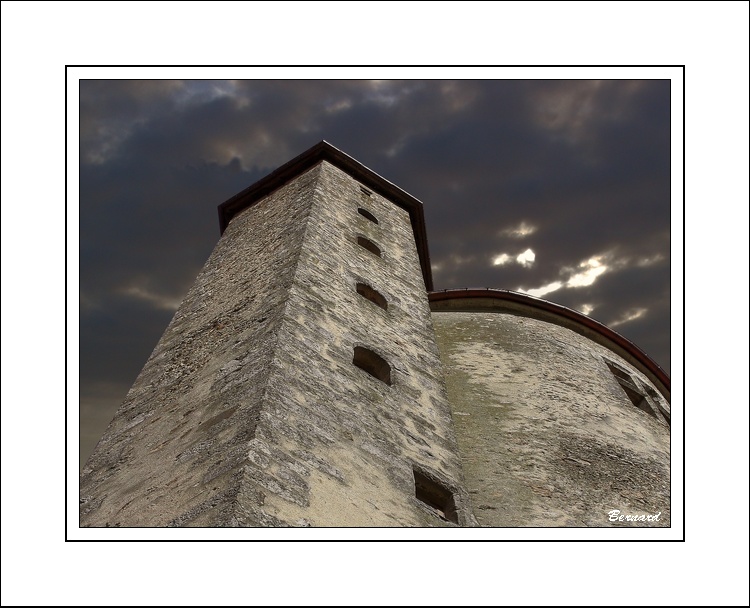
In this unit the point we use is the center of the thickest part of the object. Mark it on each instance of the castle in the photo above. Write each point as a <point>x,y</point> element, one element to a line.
<point>312,377</point>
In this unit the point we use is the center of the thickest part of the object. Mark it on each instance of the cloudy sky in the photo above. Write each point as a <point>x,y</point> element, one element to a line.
<point>557,188</point>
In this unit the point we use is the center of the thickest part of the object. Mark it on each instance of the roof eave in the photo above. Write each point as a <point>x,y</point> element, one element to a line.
<point>648,364</point>
<point>323,151</point>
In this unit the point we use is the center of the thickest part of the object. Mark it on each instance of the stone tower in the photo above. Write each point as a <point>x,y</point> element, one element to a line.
<point>299,382</point>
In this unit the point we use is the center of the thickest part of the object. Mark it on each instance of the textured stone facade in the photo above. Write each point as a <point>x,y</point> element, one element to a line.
<point>251,411</point>
<point>547,432</point>
<point>175,451</point>
<point>300,383</point>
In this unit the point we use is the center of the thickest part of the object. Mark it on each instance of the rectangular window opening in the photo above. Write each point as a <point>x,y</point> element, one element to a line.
<point>634,393</point>
<point>365,191</point>
<point>439,498</point>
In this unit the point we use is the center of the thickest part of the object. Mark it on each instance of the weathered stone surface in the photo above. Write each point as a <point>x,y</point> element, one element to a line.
<point>300,384</point>
<point>346,443</point>
<point>250,411</point>
<point>176,450</point>
<point>547,435</point>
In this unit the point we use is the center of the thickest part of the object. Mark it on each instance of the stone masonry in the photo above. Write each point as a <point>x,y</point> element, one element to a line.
<point>251,411</point>
<point>548,437</point>
<point>311,377</point>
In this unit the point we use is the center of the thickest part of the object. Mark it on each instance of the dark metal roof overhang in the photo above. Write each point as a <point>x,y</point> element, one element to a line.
<point>324,151</point>
<point>649,366</point>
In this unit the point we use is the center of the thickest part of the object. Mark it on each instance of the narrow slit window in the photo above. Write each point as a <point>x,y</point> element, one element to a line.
<point>374,296</point>
<point>634,393</point>
<point>372,363</point>
<point>368,215</point>
<point>369,245</point>
<point>436,496</point>
<point>365,191</point>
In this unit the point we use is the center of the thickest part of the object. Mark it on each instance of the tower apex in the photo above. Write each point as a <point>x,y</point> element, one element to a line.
<point>324,151</point>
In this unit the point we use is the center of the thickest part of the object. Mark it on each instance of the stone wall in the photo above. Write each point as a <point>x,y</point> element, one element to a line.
<point>547,434</point>
<point>176,449</point>
<point>300,384</point>
<point>335,445</point>
<point>251,411</point>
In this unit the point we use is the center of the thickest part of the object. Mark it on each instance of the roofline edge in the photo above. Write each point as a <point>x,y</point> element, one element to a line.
<point>324,151</point>
<point>557,309</point>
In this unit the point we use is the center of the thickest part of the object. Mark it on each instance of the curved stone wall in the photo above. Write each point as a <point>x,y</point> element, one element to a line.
<point>554,429</point>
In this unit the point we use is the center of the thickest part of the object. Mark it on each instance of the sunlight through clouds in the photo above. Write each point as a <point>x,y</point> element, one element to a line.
<point>518,232</point>
<point>592,269</point>
<point>584,275</point>
<point>526,258</point>
<point>630,315</point>
<point>650,261</point>
<point>500,260</point>
<point>542,291</point>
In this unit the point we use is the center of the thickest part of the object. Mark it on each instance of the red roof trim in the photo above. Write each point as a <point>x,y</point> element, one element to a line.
<point>367,177</point>
<point>556,309</point>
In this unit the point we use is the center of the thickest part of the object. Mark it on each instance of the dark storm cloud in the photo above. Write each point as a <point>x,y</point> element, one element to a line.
<point>582,165</point>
